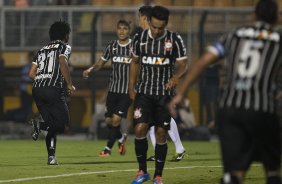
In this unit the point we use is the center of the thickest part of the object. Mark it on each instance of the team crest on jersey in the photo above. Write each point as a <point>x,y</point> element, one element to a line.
<point>137,113</point>
<point>168,46</point>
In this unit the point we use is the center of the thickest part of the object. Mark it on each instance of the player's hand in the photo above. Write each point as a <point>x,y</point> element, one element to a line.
<point>67,129</point>
<point>71,89</point>
<point>173,103</point>
<point>172,82</point>
<point>278,95</point>
<point>85,73</point>
<point>132,94</point>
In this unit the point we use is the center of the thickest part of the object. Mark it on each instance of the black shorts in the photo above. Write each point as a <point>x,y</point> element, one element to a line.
<point>248,136</point>
<point>152,109</point>
<point>118,104</point>
<point>51,104</point>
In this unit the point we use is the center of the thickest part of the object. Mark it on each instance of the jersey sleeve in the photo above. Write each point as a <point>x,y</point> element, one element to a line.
<point>180,49</point>
<point>35,59</point>
<point>136,45</point>
<point>66,51</point>
<point>218,48</point>
<point>106,53</point>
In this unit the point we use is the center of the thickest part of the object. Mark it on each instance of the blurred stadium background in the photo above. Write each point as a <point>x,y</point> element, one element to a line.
<point>24,27</point>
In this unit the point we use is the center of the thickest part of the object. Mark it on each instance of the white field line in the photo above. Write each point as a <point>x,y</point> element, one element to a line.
<point>99,172</point>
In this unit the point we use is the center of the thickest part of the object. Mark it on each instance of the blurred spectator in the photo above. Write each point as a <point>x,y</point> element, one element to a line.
<point>2,86</point>
<point>22,113</point>
<point>98,116</point>
<point>210,92</point>
<point>21,3</point>
<point>68,2</point>
<point>59,2</point>
<point>148,3</point>
<point>185,117</point>
<point>64,2</point>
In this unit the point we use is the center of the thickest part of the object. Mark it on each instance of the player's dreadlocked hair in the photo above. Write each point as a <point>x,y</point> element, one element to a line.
<point>59,30</point>
<point>267,11</point>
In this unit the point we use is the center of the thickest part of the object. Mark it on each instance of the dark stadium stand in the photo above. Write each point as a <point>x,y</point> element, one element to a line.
<point>102,2</point>
<point>205,3</point>
<point>222,3</point>
<point>183,3</point>
<point>122,3</point>
<point>243,2</point>
<point>164,2</point>
<point>200,3</point>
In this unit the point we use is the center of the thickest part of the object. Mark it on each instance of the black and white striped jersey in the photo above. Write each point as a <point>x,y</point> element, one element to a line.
<point>157,59</point>
<point>253,57</point>
<point>120,55</point>
<point>48,68</point>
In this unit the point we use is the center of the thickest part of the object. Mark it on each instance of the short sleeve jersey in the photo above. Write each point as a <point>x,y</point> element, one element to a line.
<point>120,55</point>
<point>157,59</point>
<point>253,58</point>
<point>48,68</point>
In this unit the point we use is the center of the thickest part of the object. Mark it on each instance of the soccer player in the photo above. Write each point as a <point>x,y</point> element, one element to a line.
<point>50,74</point>
<point>144,15</point>
<point>156,52</point>
<point>118,101</point>
<point>248,125</point>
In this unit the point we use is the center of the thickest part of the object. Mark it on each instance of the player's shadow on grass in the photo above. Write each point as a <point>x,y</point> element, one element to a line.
<point>102,162</point>
<point>14,165</point>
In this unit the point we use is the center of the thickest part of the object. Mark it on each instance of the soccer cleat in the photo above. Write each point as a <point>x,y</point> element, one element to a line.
<point>121,145</point>
<point>157,180</point>
<point>177,157</point>
<point>52,160</point>
<point>35,129</point>
<point>105,153</point>
<point>141,177</point>
<point>151,158</point>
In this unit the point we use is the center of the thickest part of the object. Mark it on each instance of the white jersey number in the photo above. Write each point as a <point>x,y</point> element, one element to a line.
<point>50,61</point>
<point>249,59</point>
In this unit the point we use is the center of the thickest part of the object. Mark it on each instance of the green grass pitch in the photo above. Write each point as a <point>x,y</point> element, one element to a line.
<point>25,162</point>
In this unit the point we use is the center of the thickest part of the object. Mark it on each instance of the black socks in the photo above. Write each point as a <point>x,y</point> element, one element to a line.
<point>113,135</point>
<point>51,141</point>
<point>141,148</point>
<point>160,155</point>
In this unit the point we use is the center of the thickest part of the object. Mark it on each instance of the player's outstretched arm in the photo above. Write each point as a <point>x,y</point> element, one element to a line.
<point>97,66</point>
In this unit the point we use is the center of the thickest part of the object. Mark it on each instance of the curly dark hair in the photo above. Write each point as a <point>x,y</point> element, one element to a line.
<point>160,13</point>
<point>145,10</point>
<point>59,30</point>
<point>267,11</point>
